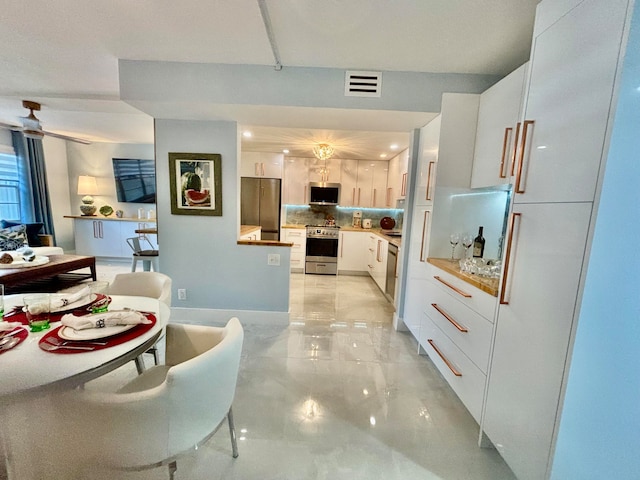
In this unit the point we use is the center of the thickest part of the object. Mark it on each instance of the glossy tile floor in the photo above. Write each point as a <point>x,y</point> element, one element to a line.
<point>338,394</point>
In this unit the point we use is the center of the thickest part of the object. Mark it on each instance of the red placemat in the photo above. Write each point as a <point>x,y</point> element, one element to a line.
<point>111,341</point>
<point>24,333</point>
<point>21,316</point>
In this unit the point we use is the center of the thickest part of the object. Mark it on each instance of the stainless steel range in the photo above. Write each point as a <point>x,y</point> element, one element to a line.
<point>321,256</point>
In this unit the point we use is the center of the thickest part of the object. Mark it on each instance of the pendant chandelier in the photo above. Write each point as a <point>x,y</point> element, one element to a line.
<point>323,151</point>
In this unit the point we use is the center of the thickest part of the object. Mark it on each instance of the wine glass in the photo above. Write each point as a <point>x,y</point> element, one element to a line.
<point>454,239</point>
<point>467,241</point>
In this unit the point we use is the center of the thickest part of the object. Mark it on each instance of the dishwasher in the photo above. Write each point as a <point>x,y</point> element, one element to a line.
<point>392,269</point>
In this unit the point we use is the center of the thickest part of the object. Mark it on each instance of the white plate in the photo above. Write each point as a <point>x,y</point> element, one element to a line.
<point>83,302</point>
<point>68,333</point>
<point>20,263</point>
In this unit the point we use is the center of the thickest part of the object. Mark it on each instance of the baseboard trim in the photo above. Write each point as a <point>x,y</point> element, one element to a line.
<point>211,316</point>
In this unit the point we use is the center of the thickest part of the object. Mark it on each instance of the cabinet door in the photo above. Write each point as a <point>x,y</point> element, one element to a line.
<point>380,265</point>
<point>87,237</point>
<point>533,332</point>
<point>364,189</point>
<point>349,182</point>
<point>261,164</point>
<point>498,115</point>
<point>298,237</point>
<point>320,171</point>
<point>425,181</point>
<point>573,65</point>
<point>379,194</point>
<point>296,181</point>
<point>414,305</point>
<point>419,242</point>
<point>353,252</point>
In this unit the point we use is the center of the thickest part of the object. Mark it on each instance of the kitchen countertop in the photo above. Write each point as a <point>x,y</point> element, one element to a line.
<point>246,229</point>
<point>488,285</point>
<point>397,241</point>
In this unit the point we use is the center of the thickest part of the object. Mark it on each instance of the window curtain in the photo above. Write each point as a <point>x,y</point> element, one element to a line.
<point>34,191</point>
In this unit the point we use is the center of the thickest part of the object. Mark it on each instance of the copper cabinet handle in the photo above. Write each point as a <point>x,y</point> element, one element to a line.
<point>505,143</point>
<point>507,257</point>
<point>428,193</point>
<point>444,359</point>
<point>514,153</point>
<point>305,193</point>
<point>375,191</point>
<point>358,195</point>
<point>388,202</point>
<point>523,146</point>
<point>353,196</point>
<point>455,289</point>
<point>378,259</point>
<point>424,235</point>
<point>448,317</point>
<point>341,244</point>
<point>403,188</point>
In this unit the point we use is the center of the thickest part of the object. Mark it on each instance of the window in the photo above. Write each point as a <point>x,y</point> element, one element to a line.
<point>9,188</point>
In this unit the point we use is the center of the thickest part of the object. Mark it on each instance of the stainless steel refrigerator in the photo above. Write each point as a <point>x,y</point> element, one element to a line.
<point>260,205</point>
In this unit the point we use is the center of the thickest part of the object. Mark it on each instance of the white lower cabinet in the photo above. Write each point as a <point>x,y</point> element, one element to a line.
<point>533,333</point>
<point>464,377</point>
<point>377,259</point>
<point>353,253</point>
<point>297,236</point>
<point>455,331</point>
<point>104,237</point>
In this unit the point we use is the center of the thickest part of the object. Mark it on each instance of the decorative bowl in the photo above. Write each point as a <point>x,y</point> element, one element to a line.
<point>387,223</point>
<point>106,210</point>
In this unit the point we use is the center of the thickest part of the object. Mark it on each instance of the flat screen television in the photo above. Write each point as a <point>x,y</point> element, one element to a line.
<point>135,180</point>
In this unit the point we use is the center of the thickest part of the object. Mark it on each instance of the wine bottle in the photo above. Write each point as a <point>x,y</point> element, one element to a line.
<point>478,244</point>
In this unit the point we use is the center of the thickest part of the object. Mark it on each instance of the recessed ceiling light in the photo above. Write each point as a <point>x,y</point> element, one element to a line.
<point>285,151</point>
<point>247,134</point>
<point>393,146</point>
<point>383,155</point>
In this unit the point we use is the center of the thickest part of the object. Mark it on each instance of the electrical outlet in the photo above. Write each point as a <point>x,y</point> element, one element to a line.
<point>273,259</point>
<point>182,294</point>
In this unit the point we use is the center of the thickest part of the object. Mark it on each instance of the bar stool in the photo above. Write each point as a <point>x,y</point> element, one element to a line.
<point>148,256</point>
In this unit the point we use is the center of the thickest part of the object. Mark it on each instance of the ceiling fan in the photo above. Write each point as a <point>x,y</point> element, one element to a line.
<point>31,127</point>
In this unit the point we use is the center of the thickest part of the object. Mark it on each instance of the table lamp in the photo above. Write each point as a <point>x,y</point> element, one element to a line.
<point>87,186</point>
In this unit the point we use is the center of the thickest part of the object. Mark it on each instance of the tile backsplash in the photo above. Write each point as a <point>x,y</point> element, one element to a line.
<point>317,214</point>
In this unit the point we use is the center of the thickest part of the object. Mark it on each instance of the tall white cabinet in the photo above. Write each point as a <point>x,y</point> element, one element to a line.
<point>559,159</point>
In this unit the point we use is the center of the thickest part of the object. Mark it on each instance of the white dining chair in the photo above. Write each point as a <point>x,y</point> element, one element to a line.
<point>167,411</point>
<point>143,284</point>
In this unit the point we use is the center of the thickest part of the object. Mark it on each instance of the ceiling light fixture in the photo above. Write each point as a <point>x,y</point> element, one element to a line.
<point>393,147</point>
<point>285,150</point>
<point>323,151</point>
<point>246,134</point>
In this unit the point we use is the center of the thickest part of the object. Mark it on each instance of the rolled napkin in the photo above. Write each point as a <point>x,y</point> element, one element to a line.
<point>60,300</point>
<point>106,319</point>
<point>8,326</point>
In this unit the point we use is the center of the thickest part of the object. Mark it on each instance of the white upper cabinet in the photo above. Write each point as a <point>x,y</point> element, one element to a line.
<point>319,171</point>
<point>397,178</point>
<point>261,164</point>
<point>447,142</point>
<point>572,70</point>
<point>363,183</point>
<point>296,181</point>
<point>348,183</point>
<point>498,116</point>
<point>429,141</point>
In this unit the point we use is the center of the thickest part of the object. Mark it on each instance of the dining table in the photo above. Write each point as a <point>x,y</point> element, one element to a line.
<point>32,379</point>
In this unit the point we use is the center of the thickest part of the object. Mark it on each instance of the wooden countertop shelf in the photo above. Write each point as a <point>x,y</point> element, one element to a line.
<point>488,285</point>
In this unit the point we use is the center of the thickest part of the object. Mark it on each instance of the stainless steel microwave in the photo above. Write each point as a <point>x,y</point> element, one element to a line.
<point>322,193</point>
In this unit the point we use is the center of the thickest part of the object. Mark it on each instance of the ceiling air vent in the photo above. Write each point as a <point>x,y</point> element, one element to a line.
<point>362,84</point>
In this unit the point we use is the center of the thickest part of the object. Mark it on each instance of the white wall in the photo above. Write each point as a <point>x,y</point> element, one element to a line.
<point>600,425</point>
<point>200,253</point>
<point>95,160</point>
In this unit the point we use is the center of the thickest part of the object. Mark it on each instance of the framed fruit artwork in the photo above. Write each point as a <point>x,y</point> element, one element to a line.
<point>196,183</point>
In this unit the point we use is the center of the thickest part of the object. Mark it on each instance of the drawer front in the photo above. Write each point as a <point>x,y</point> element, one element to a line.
<point>472,297</point>
<point>469,330</point>
<point>469,384</point>
<point>297,262</point>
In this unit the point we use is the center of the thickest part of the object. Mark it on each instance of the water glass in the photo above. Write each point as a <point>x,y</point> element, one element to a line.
<point>96,289</point>
<point>37,307</point>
